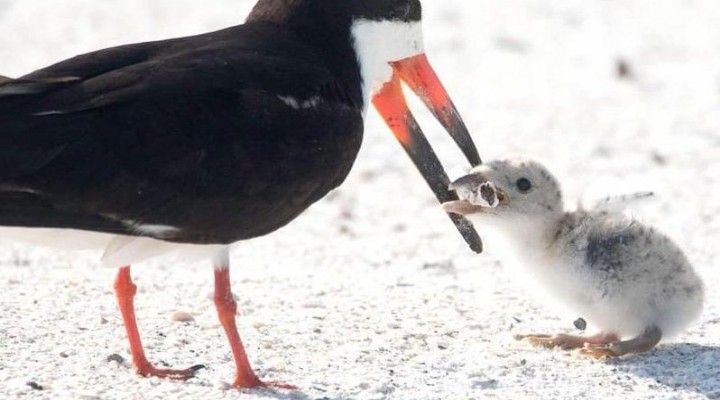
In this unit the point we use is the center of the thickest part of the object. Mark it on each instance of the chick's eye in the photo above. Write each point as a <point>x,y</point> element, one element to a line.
<point>524,185</point>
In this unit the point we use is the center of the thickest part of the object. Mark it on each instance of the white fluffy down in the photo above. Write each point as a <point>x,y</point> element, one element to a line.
<point>601,265</point>
<point>657,287</point>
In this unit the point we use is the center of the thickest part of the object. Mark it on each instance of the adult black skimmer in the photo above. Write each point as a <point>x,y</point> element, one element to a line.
<point>202,141</point>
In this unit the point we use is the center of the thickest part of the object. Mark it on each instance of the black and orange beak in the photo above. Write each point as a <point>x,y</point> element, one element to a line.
<point>417,73</point>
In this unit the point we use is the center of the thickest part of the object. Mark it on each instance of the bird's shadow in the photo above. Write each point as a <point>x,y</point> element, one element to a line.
<point>679,366</point>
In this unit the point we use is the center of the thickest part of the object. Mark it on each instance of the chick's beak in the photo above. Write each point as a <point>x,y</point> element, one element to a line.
<point>461,207</point>
<point>390,102</point>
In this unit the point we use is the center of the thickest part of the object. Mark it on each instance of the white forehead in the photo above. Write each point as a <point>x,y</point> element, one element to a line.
<point>506,172</point>
<point>515,165</point>
<point>377,43</point>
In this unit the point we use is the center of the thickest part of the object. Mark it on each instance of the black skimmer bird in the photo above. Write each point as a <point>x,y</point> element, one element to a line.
<point>199,142</point>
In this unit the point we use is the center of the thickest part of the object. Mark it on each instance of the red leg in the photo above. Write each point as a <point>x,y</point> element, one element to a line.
<point>226,308</point>
<point>125,290</point>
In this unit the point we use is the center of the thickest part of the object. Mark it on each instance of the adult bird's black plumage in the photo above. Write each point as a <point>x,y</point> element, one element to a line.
<point>214,138</point>
<point>188,133</point>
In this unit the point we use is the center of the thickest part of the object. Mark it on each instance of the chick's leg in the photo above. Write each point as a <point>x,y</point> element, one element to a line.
<point>567,342</point>
<point>639,344</point>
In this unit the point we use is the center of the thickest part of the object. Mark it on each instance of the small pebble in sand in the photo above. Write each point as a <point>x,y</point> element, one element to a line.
<point>115,357</point>
<point>580,324</point>
<point>35,386</point>
<point>623,70</point>
<point>182,316</point>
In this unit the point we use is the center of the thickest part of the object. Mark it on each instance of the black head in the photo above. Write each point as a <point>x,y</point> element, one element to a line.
<point>286,11</point>
<point>388,10</point>
<point>373,45</point>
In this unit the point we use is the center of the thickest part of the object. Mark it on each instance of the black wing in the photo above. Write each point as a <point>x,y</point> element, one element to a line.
<point>191,133</point>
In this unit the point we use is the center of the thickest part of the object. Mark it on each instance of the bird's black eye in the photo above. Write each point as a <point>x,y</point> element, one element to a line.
<point>524,185</point>
<point>401,10</point>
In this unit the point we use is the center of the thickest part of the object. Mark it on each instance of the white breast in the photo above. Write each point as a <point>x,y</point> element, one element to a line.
<point>118,250</point>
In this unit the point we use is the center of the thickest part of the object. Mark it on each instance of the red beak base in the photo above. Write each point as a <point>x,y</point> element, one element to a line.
<point>392,106</point>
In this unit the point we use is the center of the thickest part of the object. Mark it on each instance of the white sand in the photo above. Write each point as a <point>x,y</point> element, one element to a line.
<point>372,294</point>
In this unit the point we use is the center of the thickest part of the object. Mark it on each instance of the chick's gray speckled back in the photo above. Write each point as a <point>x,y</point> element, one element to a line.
<point>619,259</point>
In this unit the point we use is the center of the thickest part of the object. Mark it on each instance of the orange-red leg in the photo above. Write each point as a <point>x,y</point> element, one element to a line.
<point>227,308</point>
<point>125,290</point>
<point>646,341</point>
<point>567,342</point>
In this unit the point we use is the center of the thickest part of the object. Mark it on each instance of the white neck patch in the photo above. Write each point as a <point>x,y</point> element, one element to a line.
<point>378,43</point>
